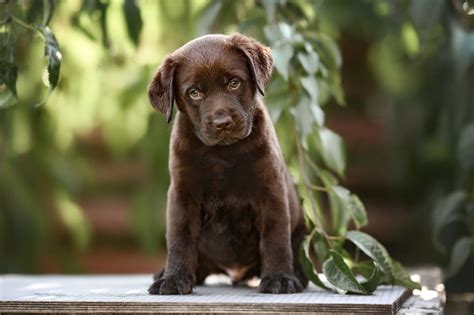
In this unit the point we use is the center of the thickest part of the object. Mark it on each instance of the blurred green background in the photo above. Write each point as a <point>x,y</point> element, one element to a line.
<point>83,176</point>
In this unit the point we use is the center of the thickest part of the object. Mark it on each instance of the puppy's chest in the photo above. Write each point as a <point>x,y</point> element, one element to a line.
<point>221,217</point>
<point>238,176</point>
<point>229,234</point>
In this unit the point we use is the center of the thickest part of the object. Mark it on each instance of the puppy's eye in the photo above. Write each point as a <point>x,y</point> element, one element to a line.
<point>234,84</point>
<point>195,94</point>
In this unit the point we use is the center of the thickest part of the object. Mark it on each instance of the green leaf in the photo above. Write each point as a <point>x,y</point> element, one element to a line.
<point>342,193</point>
<point>102,7</point>
<point>372,248</point>
<point>364,267</point>
<point>208,16</point>
<point>133,19</point>
<point>336,89</point>
<point>272,32</point>
<point>329,51</point>
<point>339,275</point>
<point>310,85</point>
<point>459,255</point>
<point>304,117</point>
<point>402,277</point>
<point>309,271</point>
<point>340,200</point>
<point>465,150</point>
<point>53,56</point>
<point>410,39</point>
<point>446,211</point>
<point>332,151</point>
<point>48,9</point>
<point>276,108</point>
<point>74,219</point>
<point>282,54</point>
<point>318,114</point>
<point>324,91</point>
<point>358,213</point>
<point>307,265</point>
<point>328,179</point>
<point>350,204</point>
<point>8,75</point>
<point>277,97</point>
<point>373,281</point>
<point>309,61</point>
<point>286,31</point>
<point>270,8</point>
<point>320,246</point>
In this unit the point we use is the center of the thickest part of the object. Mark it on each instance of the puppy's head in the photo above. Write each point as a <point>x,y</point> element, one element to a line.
<point>214,80</point>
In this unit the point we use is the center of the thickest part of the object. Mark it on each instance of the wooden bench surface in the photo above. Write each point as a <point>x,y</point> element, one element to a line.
<point>127,293</point>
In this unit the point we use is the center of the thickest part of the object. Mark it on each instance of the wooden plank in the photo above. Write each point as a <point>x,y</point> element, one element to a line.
<point>127,294</point>
<point>430,299</point>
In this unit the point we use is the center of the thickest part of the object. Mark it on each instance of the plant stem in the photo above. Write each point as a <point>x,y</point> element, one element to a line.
<point>25,25</point>
<point>340,238</point>
<point>311,163</point>
<point>318,188</point>
<point>308,187</point>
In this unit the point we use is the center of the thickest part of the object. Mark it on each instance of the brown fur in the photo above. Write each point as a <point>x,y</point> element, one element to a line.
<point>232,207</point>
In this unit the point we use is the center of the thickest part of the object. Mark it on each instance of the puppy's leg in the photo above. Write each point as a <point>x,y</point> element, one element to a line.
<point>183,227</point>
<point>297,238</point>
<point>275,247</point>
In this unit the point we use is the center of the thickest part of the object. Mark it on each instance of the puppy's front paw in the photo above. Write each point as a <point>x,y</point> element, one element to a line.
<point>172,285</point>
<point>158,275</point>
<point>279,282</point>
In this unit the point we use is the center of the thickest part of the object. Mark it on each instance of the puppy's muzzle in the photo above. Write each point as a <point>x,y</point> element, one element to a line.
<point>223,123</point>
<point>223,127</point>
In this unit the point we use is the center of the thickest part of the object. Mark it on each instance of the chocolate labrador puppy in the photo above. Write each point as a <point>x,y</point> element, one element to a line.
<point>232,207</point>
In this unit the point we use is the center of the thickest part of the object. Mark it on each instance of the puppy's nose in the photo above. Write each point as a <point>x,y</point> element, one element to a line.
<point>222,122</point>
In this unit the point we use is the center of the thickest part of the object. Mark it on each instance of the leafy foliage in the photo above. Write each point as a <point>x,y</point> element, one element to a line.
<point>44,170</point>
<point>423,64</point>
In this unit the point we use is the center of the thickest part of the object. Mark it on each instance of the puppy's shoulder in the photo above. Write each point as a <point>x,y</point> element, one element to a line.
<point>182,135</point>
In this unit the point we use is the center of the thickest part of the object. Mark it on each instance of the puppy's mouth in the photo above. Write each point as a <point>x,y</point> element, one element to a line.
<point>226,139</point>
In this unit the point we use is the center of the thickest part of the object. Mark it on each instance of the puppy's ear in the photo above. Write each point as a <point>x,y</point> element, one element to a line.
<point>259,58</point>
<point>161,89</point>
